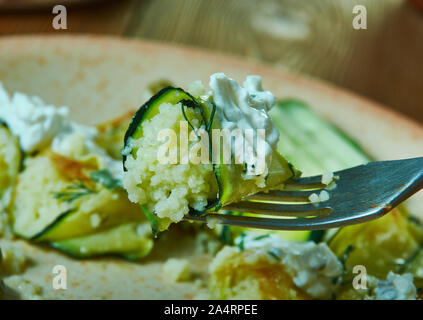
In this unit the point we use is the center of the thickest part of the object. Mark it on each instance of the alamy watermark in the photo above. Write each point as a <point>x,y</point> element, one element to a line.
<point>360,18</point>
<point>360,280</point>
<point>60,279</point>
<point>60,20</point>
<point>237,146</point>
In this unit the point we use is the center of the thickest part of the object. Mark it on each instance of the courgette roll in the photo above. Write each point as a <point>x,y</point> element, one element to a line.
<point>195,152</point>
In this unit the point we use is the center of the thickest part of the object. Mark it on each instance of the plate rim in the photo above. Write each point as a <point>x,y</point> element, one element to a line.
<point>305,80</point>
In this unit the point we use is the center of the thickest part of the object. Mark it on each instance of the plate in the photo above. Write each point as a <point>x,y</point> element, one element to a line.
<point>99,78</point>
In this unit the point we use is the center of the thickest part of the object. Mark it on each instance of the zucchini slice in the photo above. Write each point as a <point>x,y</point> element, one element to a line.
<point>49,205</point>
<point>312,143</point>
<point>228,178</point>
<point>125,240</point>
<point>10,159</point>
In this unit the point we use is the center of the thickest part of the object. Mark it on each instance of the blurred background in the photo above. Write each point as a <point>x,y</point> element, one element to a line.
<point>312,37</point>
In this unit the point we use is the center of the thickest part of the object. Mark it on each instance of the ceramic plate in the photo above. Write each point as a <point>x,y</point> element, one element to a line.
<point>100,78</point>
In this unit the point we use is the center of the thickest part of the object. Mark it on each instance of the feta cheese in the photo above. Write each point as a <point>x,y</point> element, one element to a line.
<point>322,196</point>
<point>246,108</point>
<point>144,229</point>
<point>327,178</point>
<point>212,222</point>
<point>39,125</point>
<point>396,287</point>
<point>314,198</point>
<point>95,220</point>
<point>34,122</point>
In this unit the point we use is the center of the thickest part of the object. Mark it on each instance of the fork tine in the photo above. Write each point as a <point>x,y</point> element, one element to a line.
<point>306,183</point>
<point>263,223</point>
<point>283,196</point>
<point>277,209</point>
<point>352,201</point>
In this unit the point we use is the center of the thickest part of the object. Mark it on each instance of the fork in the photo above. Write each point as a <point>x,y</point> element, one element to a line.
<point>357,195</point>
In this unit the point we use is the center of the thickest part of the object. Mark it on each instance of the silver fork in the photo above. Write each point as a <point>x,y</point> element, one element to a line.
<point>357,195</point>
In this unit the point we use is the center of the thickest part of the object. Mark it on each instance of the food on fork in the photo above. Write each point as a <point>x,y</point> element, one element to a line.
<point>220,147</point>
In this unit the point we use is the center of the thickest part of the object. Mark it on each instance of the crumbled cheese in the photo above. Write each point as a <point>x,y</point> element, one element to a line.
<point>324,196</point>
<point>212,222</point>
<point>327,178</point>
<point>144,229</point>
<point>396,287</point>
<point>246,108</point>
<point>314,198</point>
<point>39,125</point>
<point>29,118</point>
<point>95,220</point>
<point>177,269</point>
<point>314,267</point>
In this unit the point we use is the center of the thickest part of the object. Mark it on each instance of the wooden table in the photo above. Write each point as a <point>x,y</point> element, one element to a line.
<point>384,62</point>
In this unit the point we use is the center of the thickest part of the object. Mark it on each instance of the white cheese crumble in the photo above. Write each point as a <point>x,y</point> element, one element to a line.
<point>396,287</point>
<point>144,229</point>
<point>177,270</point>
<point>314,198</point>
<point>327,178</point>
<point>314,267</point>
<point>322,196</point>
<point>246,108</point>
<point>34,122</point>
<point>212,222</point>
<point>95,220</point>
<point>39,125</point>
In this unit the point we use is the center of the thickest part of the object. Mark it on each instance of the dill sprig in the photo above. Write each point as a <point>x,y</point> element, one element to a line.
<point>73,192</point>
<point>105,178</point>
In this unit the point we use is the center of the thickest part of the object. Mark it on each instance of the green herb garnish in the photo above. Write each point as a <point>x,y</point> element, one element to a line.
<point>73,192</point>
<point>274,253</point>
<point>105,178</point>
<point>241,241</point>
<point>263,236</point>
<point>346,254</point>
